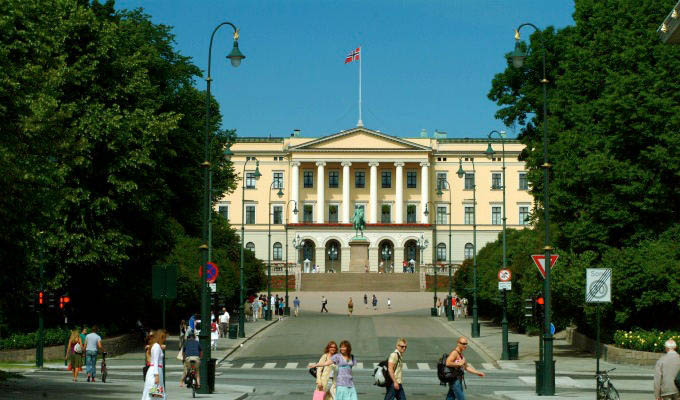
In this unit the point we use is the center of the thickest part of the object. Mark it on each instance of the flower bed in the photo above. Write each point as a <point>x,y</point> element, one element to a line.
<point>641,340</point>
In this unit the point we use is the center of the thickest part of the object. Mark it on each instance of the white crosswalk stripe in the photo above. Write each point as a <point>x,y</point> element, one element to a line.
<point>423,366</point>
<point>360,365</point>
<point>247,365</point>
<point>269,366</point>
<point>488,366</point>
<point>291,365</point>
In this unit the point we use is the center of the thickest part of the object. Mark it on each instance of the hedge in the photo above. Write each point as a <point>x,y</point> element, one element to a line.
<point>643,340</point>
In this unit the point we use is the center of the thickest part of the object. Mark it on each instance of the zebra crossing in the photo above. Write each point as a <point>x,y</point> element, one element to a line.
<point>409,365</point>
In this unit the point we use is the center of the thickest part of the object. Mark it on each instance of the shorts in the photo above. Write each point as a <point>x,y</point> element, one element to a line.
<point>187,363</point>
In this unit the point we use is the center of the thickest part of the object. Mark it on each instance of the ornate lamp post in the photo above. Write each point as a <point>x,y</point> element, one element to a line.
<point>447,186</point>
<point>490,153</point>
<point>286,309</point>
<point>422,245</point>
<point>235,57</point>
<point>298,243</point>
<point>332,254</point>
<point>518,56</point>
<point>386,255</point>
<point>241,314</point>
<point>461,174</point>
<point>268,313</point>
<point>433,311</point>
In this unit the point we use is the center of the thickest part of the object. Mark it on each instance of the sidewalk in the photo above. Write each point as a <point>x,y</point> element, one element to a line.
<point>573,369</point>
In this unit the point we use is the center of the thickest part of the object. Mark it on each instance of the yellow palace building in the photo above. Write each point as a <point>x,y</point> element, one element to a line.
<point>409,189</point>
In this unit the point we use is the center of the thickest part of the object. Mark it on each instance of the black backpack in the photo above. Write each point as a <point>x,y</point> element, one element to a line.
<point>447,374</point>
<point>381,373</point>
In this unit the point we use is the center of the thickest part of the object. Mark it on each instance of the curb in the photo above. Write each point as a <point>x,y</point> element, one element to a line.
<point>246,340</point>
<point>483,351</point>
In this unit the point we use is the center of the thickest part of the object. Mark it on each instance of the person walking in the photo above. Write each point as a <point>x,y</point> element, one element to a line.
<point>296,305</point>
<point>93,344</point>
<point>344,381</point>
<point>665,371</point>
<point>325,376</point>
<point>375,302</point>
<point>389,303</point>
<point>74,354</point>
<point>214,335</point>
<point>457,360</point>
<point>324,302</point>
<point>439,307</point>
<point>350,307</point>
<point>282,302</point>
<point>182,333</point>
<point>395,388</point>
<point>256,309</point>
<point>365,301</point>
<point>154,386</point>
<point>224,322</point>
<point>83,335</point>
<point>192,352</point>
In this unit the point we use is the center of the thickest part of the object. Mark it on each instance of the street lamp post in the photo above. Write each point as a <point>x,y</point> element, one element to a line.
<point>286,309</point>
<point>422,245</point>
<point>386,256</point>
<point>449,312</point>
<point>518,57</point>
<point>235,57</point>
<point>268,313</point>
<point>461,174</point>
<point>297,243</point>
<point>504,323</point>
<point>434,256</point>
<point>332,255</point>
<point>241,314</point>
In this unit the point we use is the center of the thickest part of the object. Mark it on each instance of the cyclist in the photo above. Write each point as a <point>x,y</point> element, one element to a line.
<point>191,352</point>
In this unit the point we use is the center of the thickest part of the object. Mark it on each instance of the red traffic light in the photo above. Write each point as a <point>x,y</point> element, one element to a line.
<point>67,299</point>
<point>40,297</point>
<point>540,301</point>
<point>61,302</point>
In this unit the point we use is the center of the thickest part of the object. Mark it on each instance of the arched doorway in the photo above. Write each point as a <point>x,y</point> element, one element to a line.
<point>332,256</point>
<point>308,255</point>
<point>386,256</point>
<point>411,253</point>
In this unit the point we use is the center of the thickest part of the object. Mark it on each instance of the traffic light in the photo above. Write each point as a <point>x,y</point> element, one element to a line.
<point>540,308</point>
<point>42,300</point>
<point>64,302</point>
<point>51,300</point>
<point>529,307</point>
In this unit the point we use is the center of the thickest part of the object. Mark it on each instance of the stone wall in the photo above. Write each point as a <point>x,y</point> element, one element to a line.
<point>114,346</point>
<point>611,353</point>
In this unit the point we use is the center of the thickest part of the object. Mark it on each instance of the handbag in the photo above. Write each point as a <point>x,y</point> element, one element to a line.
<point>77,348</point>
<point>157,392</point>
<point>144,370</point>
<point>312,371</point>
<point>180,356</point>
<point>319,395</point>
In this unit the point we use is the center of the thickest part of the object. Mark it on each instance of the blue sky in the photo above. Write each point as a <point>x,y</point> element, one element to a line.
<point>426,64</point>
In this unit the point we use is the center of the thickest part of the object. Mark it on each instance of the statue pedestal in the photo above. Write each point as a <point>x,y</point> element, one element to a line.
<point>358,254</point>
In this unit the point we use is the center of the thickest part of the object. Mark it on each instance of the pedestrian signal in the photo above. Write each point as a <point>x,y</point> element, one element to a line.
<point>51,300</point>
<point>529,308</point>
<point>540,308</point>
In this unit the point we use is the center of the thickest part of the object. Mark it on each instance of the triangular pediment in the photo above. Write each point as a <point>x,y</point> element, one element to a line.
<point>360,139</point>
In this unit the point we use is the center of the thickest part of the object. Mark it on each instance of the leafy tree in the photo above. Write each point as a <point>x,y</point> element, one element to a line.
<point>613,122</point>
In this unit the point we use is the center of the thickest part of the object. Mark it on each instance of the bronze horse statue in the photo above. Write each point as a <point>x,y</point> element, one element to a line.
<point>358,221</point>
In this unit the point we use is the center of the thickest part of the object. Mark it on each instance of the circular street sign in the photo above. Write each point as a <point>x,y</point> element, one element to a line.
<point>212,271</point>
<point>504,275</point>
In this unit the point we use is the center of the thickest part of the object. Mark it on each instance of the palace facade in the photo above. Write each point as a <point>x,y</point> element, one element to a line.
<point>415,204</point>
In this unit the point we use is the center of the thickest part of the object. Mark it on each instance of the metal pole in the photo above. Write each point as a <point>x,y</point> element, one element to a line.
<point>241,314</point>
<point>434,255</point>
<point>450,312</point>
<point>475,320</point>
<point>41,317</point>
<point>597,348</point>
<point>268,313</point>
<point>286,310</point>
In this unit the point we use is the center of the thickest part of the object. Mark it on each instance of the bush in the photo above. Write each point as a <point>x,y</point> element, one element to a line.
<point>53,337</point>
<point>642,340</point>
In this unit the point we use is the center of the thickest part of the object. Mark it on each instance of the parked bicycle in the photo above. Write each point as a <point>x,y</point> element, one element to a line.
<point>105,371</point>
<point>605,388</point>
<point>190,380</point>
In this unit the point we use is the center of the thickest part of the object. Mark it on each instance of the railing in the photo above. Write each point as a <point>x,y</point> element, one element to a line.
<point>279,268</point>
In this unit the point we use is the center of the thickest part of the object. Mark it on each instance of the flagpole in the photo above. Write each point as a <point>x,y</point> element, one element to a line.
<point>360,123</point>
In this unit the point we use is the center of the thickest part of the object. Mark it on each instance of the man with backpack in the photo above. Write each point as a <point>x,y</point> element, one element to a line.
<point>457,365</point>
<point>394,386</point>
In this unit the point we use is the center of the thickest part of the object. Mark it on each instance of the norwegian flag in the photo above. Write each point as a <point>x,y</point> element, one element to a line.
<point>353,55</point>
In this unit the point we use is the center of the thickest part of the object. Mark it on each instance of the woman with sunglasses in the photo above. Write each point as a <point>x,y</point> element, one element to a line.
<point>457,360</point>
<point>344,382</point>
<point>325,375</point>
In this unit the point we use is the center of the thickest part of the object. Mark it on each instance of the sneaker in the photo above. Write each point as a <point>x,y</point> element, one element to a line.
<point>88,378</point>
<point>92,379</point>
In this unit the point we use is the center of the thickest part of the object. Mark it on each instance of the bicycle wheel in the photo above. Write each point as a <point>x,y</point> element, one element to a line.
<point>193,385</point>
<point>105,373</point>
<point>612,393</point>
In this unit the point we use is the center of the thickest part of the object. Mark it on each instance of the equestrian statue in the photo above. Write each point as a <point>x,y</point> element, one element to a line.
<point>359,221</point>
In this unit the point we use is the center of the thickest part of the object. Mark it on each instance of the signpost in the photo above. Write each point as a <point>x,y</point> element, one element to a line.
<point>504,275</point>
<point>504,284</point>
<point>598,290</point>
<point>539,260</point>
<point>164,284</point>
<point>212,271</point>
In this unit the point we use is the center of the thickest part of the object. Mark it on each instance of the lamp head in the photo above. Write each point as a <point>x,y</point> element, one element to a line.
<point>461,171</point>
<point>489,151</point>
<point>280,193</point>
<point>518,55</point>
<point>426,213</point>
<point>295,210</point>
<point>257,170</point>
<point>227,151</point>
<point>235,56</point>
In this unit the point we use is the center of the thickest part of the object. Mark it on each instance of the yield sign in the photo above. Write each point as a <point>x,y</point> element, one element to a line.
<point>539,260</point>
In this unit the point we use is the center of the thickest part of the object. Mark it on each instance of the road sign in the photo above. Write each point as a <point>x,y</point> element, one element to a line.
<point>213,271</point>
<point>164,282</point>
<point>598,285</point>
<point>213,287</point>
<point>552,328</point>
<point>539,260</point>
<point>504,275</point>
<point>504,285</point>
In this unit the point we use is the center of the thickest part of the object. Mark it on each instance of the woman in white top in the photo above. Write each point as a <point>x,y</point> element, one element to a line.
<point>154,375</point>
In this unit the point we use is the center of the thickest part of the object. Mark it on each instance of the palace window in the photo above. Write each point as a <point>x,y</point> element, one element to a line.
<point>411,214</point>
<point>469,215</point>
<point>250,214</point>
<point>441,181</point>
<point>523,181</point>
<point>441,252</point>
<point>496,215</point>
<point>469,180</point>
<point>411,179</point>
<point>333,179</point>
<point>277,214</point>
<point>441,215</point>
<point>308,177</point>
<point>523,215</point>
<point>308,213</point>
<point>250,180</point>
<point>469,251</point>
<point>496,181</point>
<point>359,179</point>
<point>386,179</point>
<point>223,210</point>
<point>278,252</point>
<point>278,180</point>
<point>333,213</point>
<point>386,213</point>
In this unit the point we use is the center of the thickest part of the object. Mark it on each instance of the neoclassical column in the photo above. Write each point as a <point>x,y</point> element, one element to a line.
<point>373,203</point>
<point>345,191</point>
<point>399,209</point>
<point>295,191</point>
<point>424,191</point>
<point>320,191</point>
